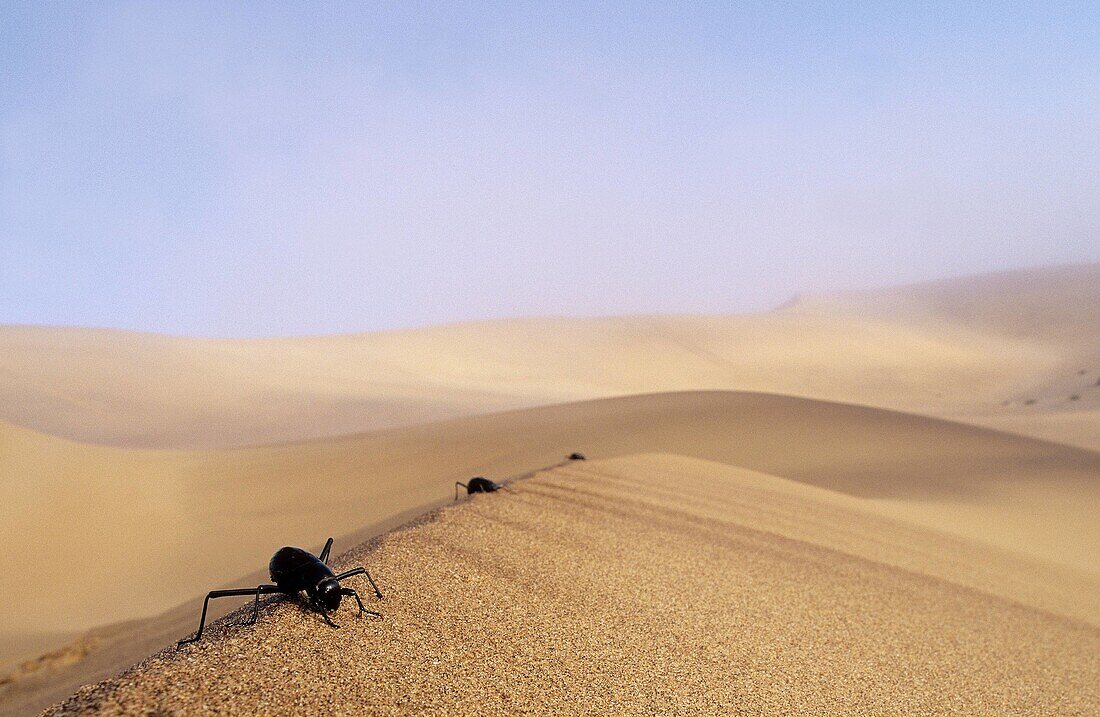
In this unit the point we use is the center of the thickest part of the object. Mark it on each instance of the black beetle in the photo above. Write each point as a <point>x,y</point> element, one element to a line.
<point>293,571</point>
<point>478,484</point>
<point>576,456</point>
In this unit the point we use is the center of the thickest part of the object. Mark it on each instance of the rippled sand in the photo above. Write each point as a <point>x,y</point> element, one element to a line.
<point>648,585</point>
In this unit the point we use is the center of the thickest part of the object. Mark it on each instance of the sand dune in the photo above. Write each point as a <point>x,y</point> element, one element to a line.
<point>145,469</point>
<point>600,589</point>
<point>1057,305</point>
<point>1057,308</point>
<point>1063,406</point>
<point>151,391</point>
<point>946,348</point>
<point>1074,428</point>
<point>167,525</point>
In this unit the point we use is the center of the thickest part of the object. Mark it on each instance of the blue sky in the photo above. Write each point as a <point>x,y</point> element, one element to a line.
<point>239,169</point>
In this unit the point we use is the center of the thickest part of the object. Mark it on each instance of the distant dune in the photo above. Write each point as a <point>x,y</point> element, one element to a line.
<point>143,470</point>
<point>1058,305</point>
<point>957,347</point>
<point>648,585</point>
<point>1057,308</point>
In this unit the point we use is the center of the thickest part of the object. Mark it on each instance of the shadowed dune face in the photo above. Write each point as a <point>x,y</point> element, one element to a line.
<point>604,588</point>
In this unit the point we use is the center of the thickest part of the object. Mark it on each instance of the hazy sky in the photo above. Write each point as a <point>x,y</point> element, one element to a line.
<point>237,169</point>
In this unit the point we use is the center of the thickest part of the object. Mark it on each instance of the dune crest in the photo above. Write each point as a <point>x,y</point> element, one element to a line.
<point>169,523</point>
<point>610,588</point>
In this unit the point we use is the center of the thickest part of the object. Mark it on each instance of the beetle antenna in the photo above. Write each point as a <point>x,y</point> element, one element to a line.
<point>457,484</point>
<point>324,553</point>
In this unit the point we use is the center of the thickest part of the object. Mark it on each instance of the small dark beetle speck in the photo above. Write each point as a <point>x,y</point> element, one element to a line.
<point>294,571</point>
<point>576,456</point>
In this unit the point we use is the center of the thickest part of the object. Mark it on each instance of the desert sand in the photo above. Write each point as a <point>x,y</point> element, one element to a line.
<point>167,524</point>
<point>138,471</point>
<point>647,585</point>
<point>952,348</point>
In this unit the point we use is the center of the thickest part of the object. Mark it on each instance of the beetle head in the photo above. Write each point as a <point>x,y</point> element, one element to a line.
<point>328,594</point>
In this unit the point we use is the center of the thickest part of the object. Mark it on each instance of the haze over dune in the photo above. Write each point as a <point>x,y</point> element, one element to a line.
<point>182,463</point>
<point>964,347</point>
<point>1057,308</point>
<point>1057,305</point>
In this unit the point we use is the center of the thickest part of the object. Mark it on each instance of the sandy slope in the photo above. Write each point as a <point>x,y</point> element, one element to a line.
<point>1057,305</point>
<point>1075,428</point>
<point>1063,406</point>
<point>167,525</point>
<point>597,589</point>
<point>1055,308</point>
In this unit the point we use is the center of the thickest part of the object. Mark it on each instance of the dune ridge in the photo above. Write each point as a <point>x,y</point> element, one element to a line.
<point>901,467</point>
<point>175,508</point>
<point>597,588</point>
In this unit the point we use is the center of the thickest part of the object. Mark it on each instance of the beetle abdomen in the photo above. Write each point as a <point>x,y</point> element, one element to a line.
<point>294,569</point>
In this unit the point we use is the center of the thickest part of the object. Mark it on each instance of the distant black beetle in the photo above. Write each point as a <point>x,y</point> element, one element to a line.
<point>478,484</point>
<point>576,456</point>
<point>294,570</point>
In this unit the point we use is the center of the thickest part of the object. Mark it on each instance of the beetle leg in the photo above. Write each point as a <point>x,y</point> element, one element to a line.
<point>237,592</point>
<point>377,592</point>
<point>324,614</point>
<point>361,571</point>
<point>260,590</point>
<point>362,607</point>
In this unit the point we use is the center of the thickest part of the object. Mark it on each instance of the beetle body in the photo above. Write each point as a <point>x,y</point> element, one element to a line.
<point>482,485</point>
<point>478,484</point>
<point>295,570</point>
